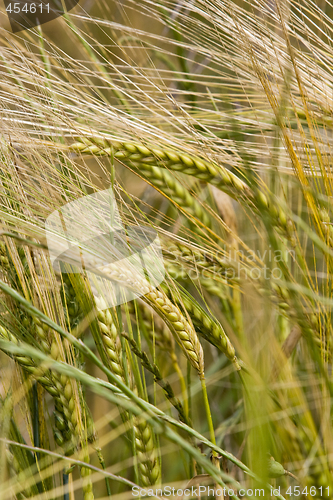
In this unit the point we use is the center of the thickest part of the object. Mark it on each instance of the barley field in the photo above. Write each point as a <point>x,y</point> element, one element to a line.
<point>166,251</point>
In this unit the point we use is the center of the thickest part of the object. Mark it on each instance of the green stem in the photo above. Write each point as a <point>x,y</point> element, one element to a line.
<point>208,414</point>
<point>182,385</point>
<point>65,478</point>
<point>35,427</point>
<point>102,462</point>
<point>189,390</point>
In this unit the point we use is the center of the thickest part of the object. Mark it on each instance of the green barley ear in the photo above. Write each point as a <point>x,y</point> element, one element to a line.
<point>70,399</point>
<point>65,391</point>
<point>157,331</point>
<point>110,338</point>
<point>180,327</point>
<point>177,194</point>
<point>72,307</point>
<point>144,439</point>
<point>136,155</point>
<point>182,330</point>
<point>210,330</point>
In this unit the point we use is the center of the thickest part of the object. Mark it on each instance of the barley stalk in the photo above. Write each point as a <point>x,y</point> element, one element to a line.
<point>211,265</point>
<point>154,369</point>
<point>72,307</point>
<point>149,466</point>
<point>68,395</point>
<point>137,155</point>
<point>110,338</point>
<point>160,336</point>
<point>175,191</point>
<point>65,429</point>
<point>182,330</point>
<point>156,328</point>
<point>44,377</point>
<point>208,328</point>
<point>62,432</point>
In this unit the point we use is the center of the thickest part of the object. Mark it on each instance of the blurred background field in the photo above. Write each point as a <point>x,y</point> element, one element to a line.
<point>211,121</point>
